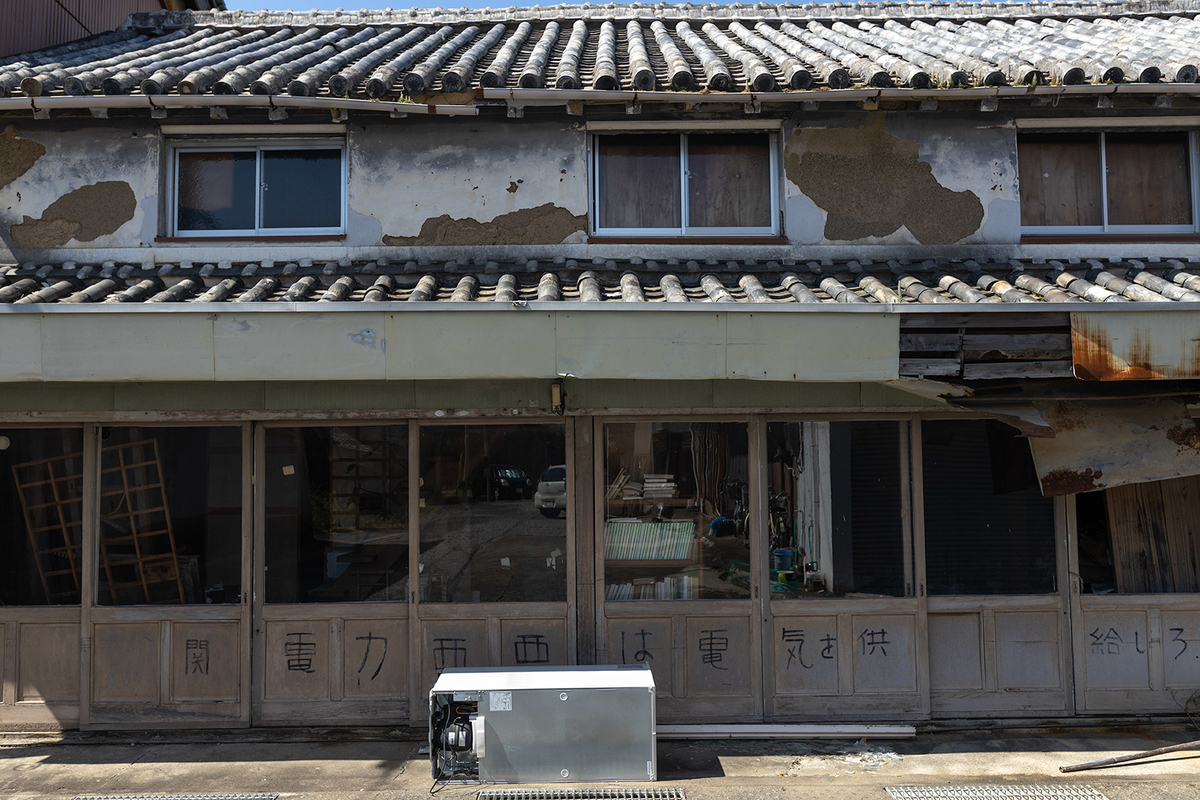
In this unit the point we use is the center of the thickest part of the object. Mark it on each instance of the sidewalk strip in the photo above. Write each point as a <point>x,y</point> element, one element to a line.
<point>259,796</point>
<point>1042,791</point>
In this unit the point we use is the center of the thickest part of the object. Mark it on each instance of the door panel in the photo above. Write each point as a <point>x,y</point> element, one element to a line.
<point>178,667</point>
<point>488,635</point>
<point>997,655</point>
<point>702,656</point>
<point>850,658</point>
<point>39,656</point>
<point>345,664</point>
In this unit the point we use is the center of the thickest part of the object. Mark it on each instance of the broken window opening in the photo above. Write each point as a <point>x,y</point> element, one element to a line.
<point>1141,538</point>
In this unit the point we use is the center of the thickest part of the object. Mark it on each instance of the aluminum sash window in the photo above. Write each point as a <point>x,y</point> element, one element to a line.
<point>686,177</point>
<point>1105,225</point>
<point>260,224</point>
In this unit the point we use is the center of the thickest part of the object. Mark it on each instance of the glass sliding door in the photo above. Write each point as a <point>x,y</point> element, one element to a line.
<point>845,637</point>
<point>335,515</point>
<point>41,573</point>
<point>494,569</point>
<point>675,542</point>
<point>998,639</point>
<point>169,627</point>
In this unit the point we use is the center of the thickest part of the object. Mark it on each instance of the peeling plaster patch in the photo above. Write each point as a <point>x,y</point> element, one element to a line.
<point>546,224</point>
<point>84,215</point>
<point>17,155</point>
<point>365,337</point>
<point>871,183</point>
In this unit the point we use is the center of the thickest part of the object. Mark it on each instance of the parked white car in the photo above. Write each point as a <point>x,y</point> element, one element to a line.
<point>551,495</point>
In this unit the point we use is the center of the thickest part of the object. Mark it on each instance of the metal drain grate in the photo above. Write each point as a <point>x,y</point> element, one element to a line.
<point>260,796</point>
<point>1045,791</point>
<point>581,794</point>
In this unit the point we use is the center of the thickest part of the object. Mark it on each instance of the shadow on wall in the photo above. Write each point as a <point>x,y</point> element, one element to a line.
<point>871,184</point>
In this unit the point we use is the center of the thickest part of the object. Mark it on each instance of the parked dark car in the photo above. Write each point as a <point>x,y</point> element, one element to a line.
<point>503,482</point>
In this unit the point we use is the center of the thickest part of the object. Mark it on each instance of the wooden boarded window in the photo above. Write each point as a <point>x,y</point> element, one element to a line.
<point>1143,538</point>
<point>1060,179</point>
<point>681,184</point>
<point>1107,182</point>
<point>1149,178</point>
<point>638,180</point>
<point>729,179</point>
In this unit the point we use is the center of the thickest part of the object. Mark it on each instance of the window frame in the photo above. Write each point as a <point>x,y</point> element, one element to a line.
<point>685,230</point>
<point>173,228</point>
<point>1105,228</point>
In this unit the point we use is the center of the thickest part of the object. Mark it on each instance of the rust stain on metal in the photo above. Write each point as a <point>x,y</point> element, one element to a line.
<point>1066,481</point>
<point>1116,352</point>
<point>1094,360</point>
<point>1186,435</point>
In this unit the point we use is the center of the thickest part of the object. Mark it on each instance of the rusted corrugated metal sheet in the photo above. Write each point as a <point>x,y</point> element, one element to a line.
<point>1098,444</point>
<point>34,24</point>
<point>1157,345</point>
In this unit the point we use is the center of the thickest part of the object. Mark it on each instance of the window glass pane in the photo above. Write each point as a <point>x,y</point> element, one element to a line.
<point>1149,178</point>
<point>729,180</point>
<point>676,511</point>
<point>302,188</point>
<point>42,502</point>
<point>216,191</point>
<point>170,516</point>
<point>836,502</point>
<point>639,181</point>
<point>1141,538</point>
<point>493,513</point>
<point>337,514</point>
<point>988,530</point>
<point>1059,179</point>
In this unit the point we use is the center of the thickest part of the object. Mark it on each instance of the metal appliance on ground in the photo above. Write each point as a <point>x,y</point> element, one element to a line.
<point>543,724</point>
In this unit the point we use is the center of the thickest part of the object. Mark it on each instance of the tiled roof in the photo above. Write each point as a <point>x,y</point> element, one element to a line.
<point>760,47</point>
<point>633,281</point>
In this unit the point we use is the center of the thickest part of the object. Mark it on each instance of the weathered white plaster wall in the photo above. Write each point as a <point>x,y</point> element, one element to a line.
<point>867,185</point>
<point>78,186</point>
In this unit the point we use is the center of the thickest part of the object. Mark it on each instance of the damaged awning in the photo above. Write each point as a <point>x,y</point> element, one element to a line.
<point>1099,444</point>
